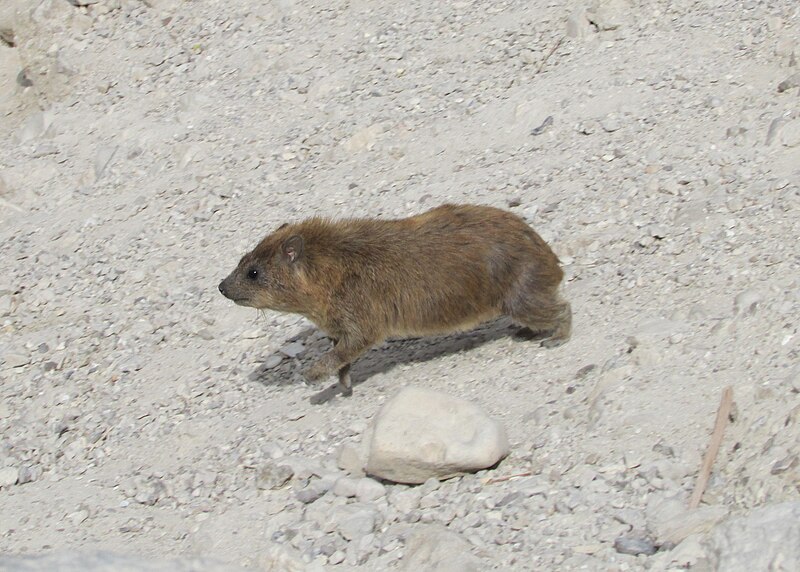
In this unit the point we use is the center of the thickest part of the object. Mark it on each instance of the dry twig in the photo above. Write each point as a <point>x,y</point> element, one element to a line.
<point>506,478</point>
<point>550,53</point>
<point>723,412</point>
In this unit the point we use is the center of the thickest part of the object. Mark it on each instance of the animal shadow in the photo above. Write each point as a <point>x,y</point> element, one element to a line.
<point>379,359</point>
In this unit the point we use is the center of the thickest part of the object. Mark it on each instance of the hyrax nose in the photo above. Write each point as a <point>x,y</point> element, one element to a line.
<point>223,289</point>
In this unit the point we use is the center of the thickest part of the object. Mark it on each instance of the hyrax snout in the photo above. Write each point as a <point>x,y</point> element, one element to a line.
<point>365,280</point>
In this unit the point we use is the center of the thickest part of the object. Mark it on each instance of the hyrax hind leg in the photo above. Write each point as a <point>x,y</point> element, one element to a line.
<point>543,314</point>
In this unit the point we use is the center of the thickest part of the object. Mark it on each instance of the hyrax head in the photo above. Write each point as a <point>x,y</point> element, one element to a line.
<point>270,276</point>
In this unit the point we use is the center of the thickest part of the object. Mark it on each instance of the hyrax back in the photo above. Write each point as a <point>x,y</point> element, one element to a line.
<point>365,280</point>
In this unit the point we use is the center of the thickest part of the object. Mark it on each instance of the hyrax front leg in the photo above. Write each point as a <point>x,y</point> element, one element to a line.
<point>345,383</point>
<point>344,351</point>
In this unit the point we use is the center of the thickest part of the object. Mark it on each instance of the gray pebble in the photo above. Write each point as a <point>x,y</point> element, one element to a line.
<point>28,474</point>
<point>548,121</point>
<point>271,476</point>
<point>273,361</point>
<point>309,494</point>
<point>634,545</point>
<point>293,349</point>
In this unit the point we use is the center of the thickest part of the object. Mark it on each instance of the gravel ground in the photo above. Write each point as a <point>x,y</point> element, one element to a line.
<point>146,144</point>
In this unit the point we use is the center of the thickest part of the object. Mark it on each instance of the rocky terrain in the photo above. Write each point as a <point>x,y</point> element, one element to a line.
<point>146,144</point>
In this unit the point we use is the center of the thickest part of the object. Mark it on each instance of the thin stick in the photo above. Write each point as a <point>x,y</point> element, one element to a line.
<point>506,478</point>
<point>723,412</point>
<point>550,53</point>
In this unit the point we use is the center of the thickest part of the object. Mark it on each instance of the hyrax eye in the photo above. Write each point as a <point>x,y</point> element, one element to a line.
<point>252,274</point>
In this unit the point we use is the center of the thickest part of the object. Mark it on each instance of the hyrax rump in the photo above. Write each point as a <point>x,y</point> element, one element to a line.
<point>365,280</point>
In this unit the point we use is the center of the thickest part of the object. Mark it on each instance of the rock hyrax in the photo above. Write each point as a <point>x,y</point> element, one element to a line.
<point>365,280</point>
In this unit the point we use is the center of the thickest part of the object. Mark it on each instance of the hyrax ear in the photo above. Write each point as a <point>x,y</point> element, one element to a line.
<point>292,248</point>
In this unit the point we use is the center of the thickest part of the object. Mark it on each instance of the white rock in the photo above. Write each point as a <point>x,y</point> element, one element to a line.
<point>611,123</point>
<point>345,487</point>
<point>8,476</point>
<point>746,302</point>
<point>678,526</point>
<point>433,547</point>
<point>609,14</point>
<point>13,359</point>
<point>351,460</point>
<point>37,125</point>
<point>353,521</point>
<point>406,500</point>
<point>790,134</point>
<point>422,433</point>
<point>578,25</point>
<point>369,490</point>
<point>766,539</point>
<point>364,139</point>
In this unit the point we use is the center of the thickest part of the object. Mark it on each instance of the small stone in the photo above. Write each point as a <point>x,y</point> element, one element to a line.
<point>78,517</point>
<point>8,476</point>
<point>406,501</point>
<point>309,494</point>
<point>775,128</point>
<point>148,491</point>
<point>350,460</point>
<point>273,361</point>
<point>205,334</point>
<point>369,490</point>
<point>578,26</point>
<point>354,521</point>
<point>434,547</point>
<point>103,159</point>
<point>539,129</point>
<point>336,558</point>
<point>789,83</point>
<point>364,139</point>
<point>293,349</point>
<point>529,57</point>
<point>790,134</point>
<point>28,474</point>
<point>686,522</point>
<point>345,487</point>
<point>608,15</point>
<point>634,545</point>
<point>271,476</point>
<point>44,149</point>
<point>783,465</point>
<point>13,359</point>
<point>610,123</point>
<point>35,126</point>
<point>745,303</point>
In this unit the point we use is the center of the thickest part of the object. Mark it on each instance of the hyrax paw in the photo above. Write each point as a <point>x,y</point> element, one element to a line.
<point>317,372</point>
<point>553,342</point>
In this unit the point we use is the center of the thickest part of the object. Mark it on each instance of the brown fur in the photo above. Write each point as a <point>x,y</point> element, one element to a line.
<point>365,280</point>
